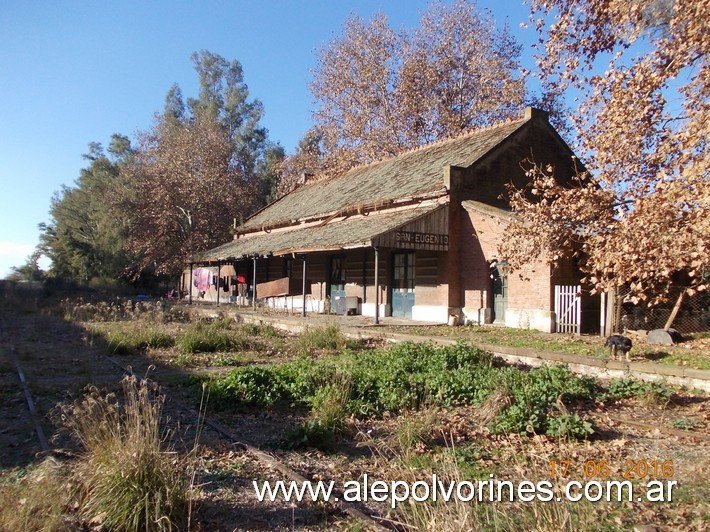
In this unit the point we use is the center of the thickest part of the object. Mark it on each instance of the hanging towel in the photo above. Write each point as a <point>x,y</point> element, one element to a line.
<point>204,279</point>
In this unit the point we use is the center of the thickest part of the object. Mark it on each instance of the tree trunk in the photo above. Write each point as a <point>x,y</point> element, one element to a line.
<point>674,312</point>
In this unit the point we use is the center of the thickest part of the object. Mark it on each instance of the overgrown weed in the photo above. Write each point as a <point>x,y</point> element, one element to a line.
<point>328,418</point>
<point>37,499</point>
<point>409,377</point>
<point>329,337</point>
<point>215,337</point>
<point>202,337</point>
<point>126,341</point>
<point>414,431</point>
<point>129,477</point>
<point>648,393</point>
<point>457,513</point>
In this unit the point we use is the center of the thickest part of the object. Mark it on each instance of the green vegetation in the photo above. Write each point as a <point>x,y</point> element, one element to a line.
<point>125,341</point>
<point>217,336</point>
<point>570,427</point>
<point>327,418</point>
<point>202,337</point>
<point>406,377</point>
<point>651,393</point>
<point>686,423</point>
<point>264,330</point>
<point>692,353</point>
<point>322,337</point>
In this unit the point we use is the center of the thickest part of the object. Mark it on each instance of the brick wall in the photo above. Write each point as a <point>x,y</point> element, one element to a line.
<point>431,286</point>
<point>481,233</point>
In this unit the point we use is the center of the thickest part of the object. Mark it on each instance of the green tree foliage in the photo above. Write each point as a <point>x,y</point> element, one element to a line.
<point>205,163</point>
<point>29,271</point>
<point>224,97</point>
<point>268,171</point>
<point>85,236</point>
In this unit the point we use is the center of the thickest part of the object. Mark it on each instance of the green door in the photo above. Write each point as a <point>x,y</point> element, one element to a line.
<point>336,281</point>
<point>403,285</point>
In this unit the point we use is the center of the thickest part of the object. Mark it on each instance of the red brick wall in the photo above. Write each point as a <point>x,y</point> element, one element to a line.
<point>431,286</point>
<point>480,235</point>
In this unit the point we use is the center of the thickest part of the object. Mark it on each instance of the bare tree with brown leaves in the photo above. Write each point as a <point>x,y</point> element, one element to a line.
<point>641,216</point>
<point>187,191</point>
<point>380,92</point>
<point>198,169</point>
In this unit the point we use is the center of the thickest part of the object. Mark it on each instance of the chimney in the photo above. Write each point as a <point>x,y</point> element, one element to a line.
<point>303,178</point>
<point>539,114</point>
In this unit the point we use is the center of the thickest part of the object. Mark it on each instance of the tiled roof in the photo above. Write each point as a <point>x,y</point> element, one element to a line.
<point>414,173</point>
<point>351,232</point>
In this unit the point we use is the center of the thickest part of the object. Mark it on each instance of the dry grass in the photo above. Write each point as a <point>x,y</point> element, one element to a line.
<point>455,515</point>
<point>415,430</point>
<point>37,500</point>
<point>128,477</point>
<point>325,337</point>
<point>500,399</point>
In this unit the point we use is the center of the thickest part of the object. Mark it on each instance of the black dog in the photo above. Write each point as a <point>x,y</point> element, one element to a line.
<point>617,343</point>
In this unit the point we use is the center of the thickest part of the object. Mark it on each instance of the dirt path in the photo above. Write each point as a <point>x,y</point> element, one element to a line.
<point>56,363</point>
<point>59,360</point>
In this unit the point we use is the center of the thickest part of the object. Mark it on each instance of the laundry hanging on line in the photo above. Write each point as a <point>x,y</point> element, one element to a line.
<point>202,278</point>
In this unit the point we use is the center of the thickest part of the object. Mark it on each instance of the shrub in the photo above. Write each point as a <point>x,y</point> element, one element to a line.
<point>125,476</point>
<point>323,337</point>
<point>311,433</point>
<point>200,337</point>
<point>569,427</point>
<point>652,393</point>
<point>535,396</point>
<point>125,341</point>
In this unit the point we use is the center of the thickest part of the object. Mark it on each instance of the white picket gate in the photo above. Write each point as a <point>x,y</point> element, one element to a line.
<point>568,309</point>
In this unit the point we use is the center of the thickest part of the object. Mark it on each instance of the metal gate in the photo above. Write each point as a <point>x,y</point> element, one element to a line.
<point>568,309</point>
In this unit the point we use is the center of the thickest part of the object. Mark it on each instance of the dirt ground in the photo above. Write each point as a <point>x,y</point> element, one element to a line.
<point>60,358</point>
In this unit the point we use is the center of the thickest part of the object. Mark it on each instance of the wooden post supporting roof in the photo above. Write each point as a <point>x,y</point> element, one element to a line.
<point>253,288</point>
<point>453,180</point>
<point>190,282</point>
<point>219,276</point>
<point>303,310</point>
<point>377,287</point>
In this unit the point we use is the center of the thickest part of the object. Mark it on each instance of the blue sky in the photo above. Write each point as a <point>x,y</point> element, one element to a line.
<point>73,72</point>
